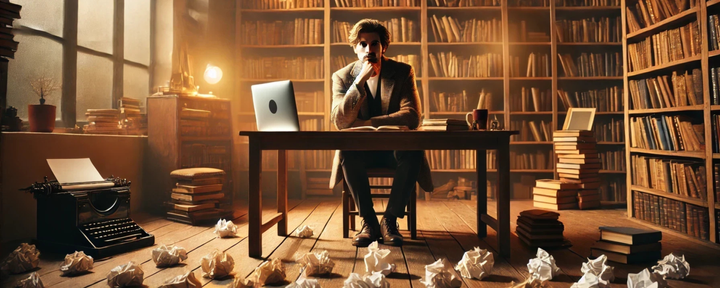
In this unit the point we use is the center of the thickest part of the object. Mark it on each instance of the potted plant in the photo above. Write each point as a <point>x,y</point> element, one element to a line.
<point>42,117</point>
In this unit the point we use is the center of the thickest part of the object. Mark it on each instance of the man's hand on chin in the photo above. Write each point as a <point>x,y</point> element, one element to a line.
<point>360,122</point>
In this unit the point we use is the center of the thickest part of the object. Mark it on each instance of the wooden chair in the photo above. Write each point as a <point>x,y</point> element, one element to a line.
<point>349,210</point>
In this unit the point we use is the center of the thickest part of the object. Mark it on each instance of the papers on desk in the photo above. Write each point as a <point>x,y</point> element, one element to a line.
<point>75,174</point>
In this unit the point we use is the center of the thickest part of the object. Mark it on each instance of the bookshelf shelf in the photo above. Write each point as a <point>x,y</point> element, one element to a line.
<point>455,113</point>
<point>619,44</point>
<point>530,78</point>
<point>666,66</point>
<point>531,43</point>
<point>531,112</point>
<point>590,78</point>
<point>716,155</point>
<point>475,8</point>
<point>465,78</point>
<point>293,10</point>
<point>681,198</point>
<point>599,113</point>
<point>713,54</point>
<point>532,171</point>
<point>652,29</point>
<point>611,172</point>
<point>714,107</point>
<point>461,43</point>
<point>193,139</point>
<point>591,8</point>
<point>534,9</point>
<point>282,46</point>
<point>610,143</point>
<point>460,170</point>
<point>375,9</point>
<point>712,3</point>
<point>531,143</point>
<point>338,44</point>
<point>665,110</point>
<point>686,154</point>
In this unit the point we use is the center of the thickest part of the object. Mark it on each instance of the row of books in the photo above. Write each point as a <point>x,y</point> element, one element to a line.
<point>103,121</point>
<point>609,130</point>
<point>518,32</point>
<point>532,130</point>
<point>628,245</point>
<point>401,30</point>
<point>608,99</point>
<point>300,31</point>
<point>133,122</point>
<point>685,178</point>
<point>586,3</point>
<point>310,101</point>
<point>458,102</point>
<point>613,160</point>
<point>203,128</point>
<point>462,3</point>
<point>604,29</point>
<point>714,79</point>
<point>8,13</point>
<point>714,32</point>
<point>679,89</point>
<point>337,62</point>
<point>450,29</point>
<point>457,159</point>
<point>531,160</point>
<point>283,68</point>
<point>665,47</point>
<point>537,65</point>
<point>205,155</point>
<point>529,3</point>
<point>613,188</point>
<point>531,99</point>
<point>715,132</point>
<point>280,4</point>
<point>607,64</point>
<point>666,132</point>
<point>648,12</point>
<point>455,66</point>
<point>377,3</point>
<point>214,110</point>
<point>683,217</point>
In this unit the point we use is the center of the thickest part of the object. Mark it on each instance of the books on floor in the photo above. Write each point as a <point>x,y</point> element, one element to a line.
<point>196,196</point>
<point>628,245</point>
<point>540,228</point>
<point>578,163</point>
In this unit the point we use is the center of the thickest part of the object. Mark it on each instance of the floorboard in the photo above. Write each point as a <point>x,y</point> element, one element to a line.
<point>446,229</point>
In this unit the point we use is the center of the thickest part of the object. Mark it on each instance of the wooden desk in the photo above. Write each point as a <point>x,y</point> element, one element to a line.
<point>380,140</point>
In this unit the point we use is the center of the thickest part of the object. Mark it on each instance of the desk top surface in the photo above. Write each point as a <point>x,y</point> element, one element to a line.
<point>390,133</point>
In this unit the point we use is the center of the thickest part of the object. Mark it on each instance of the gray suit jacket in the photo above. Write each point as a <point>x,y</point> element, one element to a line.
<point>400,106</point>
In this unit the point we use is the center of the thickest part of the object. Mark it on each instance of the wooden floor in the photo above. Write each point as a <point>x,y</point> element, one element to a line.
<point>446,230</point>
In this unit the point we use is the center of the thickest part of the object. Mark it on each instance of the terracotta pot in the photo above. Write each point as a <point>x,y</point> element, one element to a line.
<point>41,117</point>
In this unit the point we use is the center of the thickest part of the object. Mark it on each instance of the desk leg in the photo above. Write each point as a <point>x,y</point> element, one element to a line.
<point>282,191</point>
<point>481,172</point>
<point>503,197</point>
<point>255,200</point>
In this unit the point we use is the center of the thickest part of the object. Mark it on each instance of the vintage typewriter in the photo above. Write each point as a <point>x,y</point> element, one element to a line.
<point>93,217</point>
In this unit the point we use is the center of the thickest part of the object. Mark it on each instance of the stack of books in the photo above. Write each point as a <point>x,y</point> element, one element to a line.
<point>444,125</point>
<point>132,119</point>
<point>578,163</point>
<point>8,13</point>
<point>103,121</point>
<point>555,194</point>
<point>540,228</point>
<point>196,195</point>
<point>628,245</point>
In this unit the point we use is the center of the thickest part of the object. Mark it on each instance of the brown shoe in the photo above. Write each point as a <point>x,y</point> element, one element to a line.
<point>389,230</point>
<point>369,233</point>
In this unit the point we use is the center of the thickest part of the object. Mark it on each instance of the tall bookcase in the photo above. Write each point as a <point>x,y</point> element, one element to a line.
<point>454,91</point>
<point>673,175</point>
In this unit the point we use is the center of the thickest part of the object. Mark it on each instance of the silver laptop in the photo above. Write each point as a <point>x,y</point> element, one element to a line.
<point>275,108</point>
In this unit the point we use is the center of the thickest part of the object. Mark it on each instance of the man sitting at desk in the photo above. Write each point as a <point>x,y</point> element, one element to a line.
<point>377,91</point>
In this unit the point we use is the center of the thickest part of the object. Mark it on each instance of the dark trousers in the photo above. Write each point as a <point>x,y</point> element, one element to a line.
<point>406,165</point>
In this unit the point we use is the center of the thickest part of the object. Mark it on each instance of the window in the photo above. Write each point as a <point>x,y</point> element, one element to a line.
<point>112,53</point>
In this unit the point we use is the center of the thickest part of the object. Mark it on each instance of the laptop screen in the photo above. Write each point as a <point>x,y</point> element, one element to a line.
<point>275,107</point>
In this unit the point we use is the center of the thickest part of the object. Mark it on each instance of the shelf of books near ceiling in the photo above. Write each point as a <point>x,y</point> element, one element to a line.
<point>672,118</point>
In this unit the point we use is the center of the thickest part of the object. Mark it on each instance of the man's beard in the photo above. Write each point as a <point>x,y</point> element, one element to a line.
<point>371,58</point>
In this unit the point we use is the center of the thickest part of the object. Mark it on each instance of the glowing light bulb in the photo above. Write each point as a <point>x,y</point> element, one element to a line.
<point>213,74</point>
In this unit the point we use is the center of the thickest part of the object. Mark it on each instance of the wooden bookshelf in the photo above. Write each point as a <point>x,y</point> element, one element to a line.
<point>701,114</point>
<point>503,87</point>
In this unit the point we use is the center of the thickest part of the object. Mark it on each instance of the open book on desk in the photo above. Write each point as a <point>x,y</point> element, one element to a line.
<point>379,128</point>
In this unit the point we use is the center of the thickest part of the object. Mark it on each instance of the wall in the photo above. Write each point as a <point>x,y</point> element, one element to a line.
<point>23,161</point>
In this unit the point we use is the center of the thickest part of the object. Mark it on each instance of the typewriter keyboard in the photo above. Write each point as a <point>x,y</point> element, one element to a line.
<point>110,231</point>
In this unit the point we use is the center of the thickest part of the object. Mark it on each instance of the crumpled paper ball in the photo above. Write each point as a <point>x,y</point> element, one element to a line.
<point>673,267</point>
<point>372,280</point>
<point>187,280</point>
<point>303,282</point>
<point>376,260</point>
<point>316,263</point>
<point>646,279</point>
<point>165,256</point>
<point>225,228</point>
<point>33,281</point>
<point>440,274</point>
<point>24,258</point>
<point>130,274</point>
<point>217,265</point>
<point>269,272</point>
<point>589,280</point>
<point>476,263</point>
<point>304,232</point>
<point>543,267</point>
<point>532,282</point>
<point>597,267</point>
<point>77,263</point>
